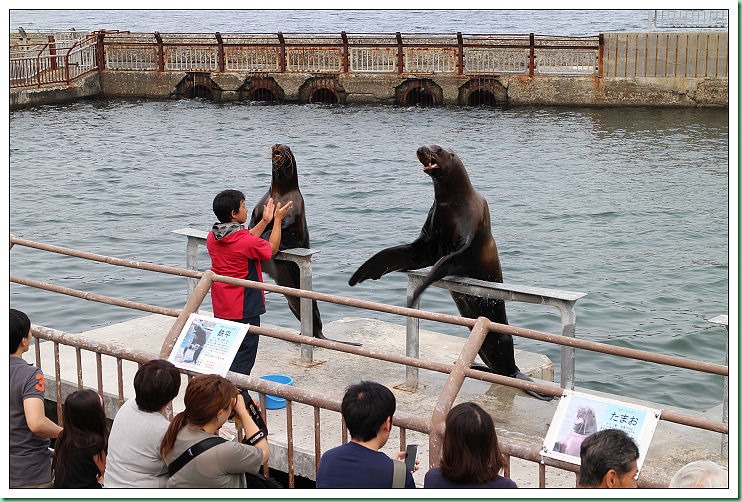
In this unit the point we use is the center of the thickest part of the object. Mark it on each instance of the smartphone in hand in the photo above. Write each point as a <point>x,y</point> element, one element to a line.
<point>411,457</point>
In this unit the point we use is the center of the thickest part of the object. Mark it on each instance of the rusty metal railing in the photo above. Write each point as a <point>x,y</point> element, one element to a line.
<point>392,53</point>
<point>52,63</point>
<point>456,372</point>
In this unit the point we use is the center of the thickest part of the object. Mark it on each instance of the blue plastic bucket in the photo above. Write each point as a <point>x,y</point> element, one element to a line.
<point>275,402</point>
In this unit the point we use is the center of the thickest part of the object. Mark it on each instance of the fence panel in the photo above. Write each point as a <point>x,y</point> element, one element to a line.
<point>191,58</point>
<point>496,60</point>
<point>137,57</point>
<point>430,60</point>
<point>373,60</point>
<point>566,62</point>
<point>314,59</point>
<point>252,59</point>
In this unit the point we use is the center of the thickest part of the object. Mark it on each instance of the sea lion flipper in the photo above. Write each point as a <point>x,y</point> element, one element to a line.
<point>392,259</point>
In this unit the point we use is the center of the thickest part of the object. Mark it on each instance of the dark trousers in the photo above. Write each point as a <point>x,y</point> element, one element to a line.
<point>245,358</point>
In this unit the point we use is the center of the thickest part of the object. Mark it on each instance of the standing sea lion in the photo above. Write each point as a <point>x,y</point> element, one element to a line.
<point>294,232</point>
<point>456,239</point>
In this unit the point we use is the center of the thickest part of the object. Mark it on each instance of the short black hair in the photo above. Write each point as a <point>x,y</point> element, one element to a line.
<point>225,202</point>
<point>365,407</point>
<point>156,383</point>
<point>605,450</point>
<point>20,325</point>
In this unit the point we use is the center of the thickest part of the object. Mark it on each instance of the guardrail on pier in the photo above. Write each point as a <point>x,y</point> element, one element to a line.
<point>426,425</point>
<point>57,61</point>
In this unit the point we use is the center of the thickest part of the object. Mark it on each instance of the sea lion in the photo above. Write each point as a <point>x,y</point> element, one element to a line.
<point>294,232</point>
<point>456,239</point>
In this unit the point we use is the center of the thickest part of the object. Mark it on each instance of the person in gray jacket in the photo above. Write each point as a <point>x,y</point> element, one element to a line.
<point>134,459</point>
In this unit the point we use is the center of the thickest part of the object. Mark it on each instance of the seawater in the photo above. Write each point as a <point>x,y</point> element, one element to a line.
<point>630,206</point>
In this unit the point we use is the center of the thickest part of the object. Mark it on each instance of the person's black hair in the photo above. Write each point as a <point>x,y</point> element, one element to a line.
<point>365,407</point>
<point>156,383</point>
<point>20,325</point>
<point>605,450</point>
<point>83,428</point>
<point>225,202</point>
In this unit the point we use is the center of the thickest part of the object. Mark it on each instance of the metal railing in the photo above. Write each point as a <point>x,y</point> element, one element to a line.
<point>688,18</point>
<point>52,63</point>
<point>425,425</point>
<point>397,53</point>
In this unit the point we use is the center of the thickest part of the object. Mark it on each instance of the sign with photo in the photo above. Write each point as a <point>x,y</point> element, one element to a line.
<point>578,415</point>
<point>207,344</point>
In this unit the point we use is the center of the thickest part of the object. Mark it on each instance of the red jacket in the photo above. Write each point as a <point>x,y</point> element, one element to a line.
<point>237,254</point>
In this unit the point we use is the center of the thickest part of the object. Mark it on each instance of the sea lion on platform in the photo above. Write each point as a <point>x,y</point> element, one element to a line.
<point>456,239</point>
<point>294,232</point>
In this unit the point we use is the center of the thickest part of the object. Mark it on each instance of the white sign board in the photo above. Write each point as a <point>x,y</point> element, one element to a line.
<point>207,344</point>
<point>578,415</point>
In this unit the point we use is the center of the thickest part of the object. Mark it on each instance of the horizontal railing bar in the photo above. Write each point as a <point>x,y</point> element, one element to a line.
<point>110,300</point>
<point>121,262</point>
<point>605,348</point>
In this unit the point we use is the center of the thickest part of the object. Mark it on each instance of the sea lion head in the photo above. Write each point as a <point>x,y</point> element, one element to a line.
<point>284,167</point>
<point>444,167</point>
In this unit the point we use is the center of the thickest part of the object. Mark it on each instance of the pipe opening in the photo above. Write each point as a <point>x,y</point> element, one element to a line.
<point>323,95</point>
<point>263,94</point>
<point>419,96</point>
<point>200,92</point>
<point>481,97</point>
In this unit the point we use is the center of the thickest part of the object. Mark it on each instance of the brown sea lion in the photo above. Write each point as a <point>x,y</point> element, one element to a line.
<point>456,239</point>
<point>294,232</point>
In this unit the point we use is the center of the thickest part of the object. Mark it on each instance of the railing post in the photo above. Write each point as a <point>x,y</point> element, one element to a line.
<point>400,54</point>
<point>220,50</point>
<point>532,55</point>
<point>52,52</point>
<point>601,46</point>
<point>192,261</point>
<point>346,52</point>
<point>460,39</point>
<point>412,342</point>
<point>303,258</point>
<point>722,319</point>
<point>282,41</point>
<point>100,52</point>
<point>192,304</point>
<point>160,52</point>
<point>452,387</point>
<point>567,365</point>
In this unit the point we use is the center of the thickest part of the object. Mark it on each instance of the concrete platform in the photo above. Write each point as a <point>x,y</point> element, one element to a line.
<point>516,415</point>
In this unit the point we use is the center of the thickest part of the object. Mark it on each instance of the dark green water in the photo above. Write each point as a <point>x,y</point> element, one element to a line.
<point>630,206</point>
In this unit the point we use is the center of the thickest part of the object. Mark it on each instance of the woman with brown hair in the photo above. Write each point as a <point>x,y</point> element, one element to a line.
<point>471,455</point>
<point>209,402</point>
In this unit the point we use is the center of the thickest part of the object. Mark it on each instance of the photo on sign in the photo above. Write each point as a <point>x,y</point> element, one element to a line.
<point>207,344</point>
<point>579,415</point>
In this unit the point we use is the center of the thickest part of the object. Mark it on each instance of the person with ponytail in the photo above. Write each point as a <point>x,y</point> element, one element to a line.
<point>209,402</point>
<point>471,455</point>
<point>80,450</point>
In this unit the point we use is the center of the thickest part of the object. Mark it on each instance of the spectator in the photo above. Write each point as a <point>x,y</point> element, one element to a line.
<point>471,455</point>
<point>367,409</point>
<point>701,474</point>
<point>134,459</point>
<point>608,460</point>
<point>209,401</point>
<point>237,252</point>
<point>80,450</point>
<point>30,429</point>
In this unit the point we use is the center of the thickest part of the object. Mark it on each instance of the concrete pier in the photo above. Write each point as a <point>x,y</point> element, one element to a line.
<point>516,415</point>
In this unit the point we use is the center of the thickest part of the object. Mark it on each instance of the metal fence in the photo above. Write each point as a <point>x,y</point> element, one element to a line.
<point>58,61</point>
<point>426,425</point>
<point>397,53</point>
<point>688,18</point>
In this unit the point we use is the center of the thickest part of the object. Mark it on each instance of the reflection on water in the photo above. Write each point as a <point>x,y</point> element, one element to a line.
<point>627,205</point>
